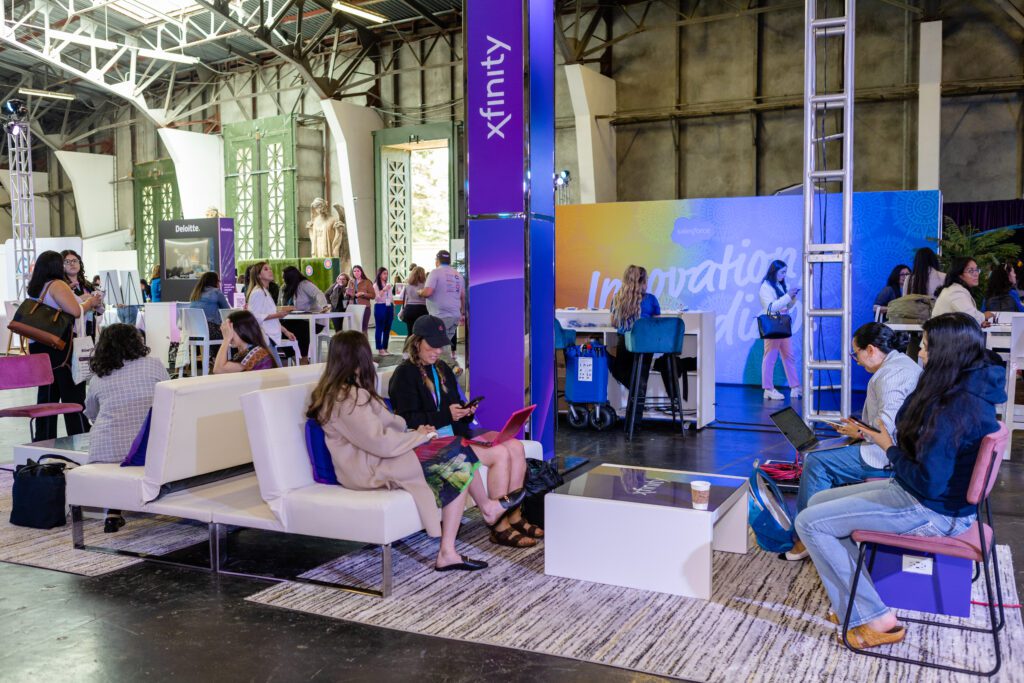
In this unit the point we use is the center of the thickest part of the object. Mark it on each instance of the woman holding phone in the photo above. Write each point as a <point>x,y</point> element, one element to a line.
<point>940,428</point>
<point>777,298</point>
<point>423,391</point>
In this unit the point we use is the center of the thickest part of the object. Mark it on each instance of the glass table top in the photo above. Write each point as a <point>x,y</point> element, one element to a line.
<point>667,488</point>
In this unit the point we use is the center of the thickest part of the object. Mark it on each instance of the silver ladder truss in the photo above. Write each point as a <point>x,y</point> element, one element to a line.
<point>825,257</point>
<point>23,212</point>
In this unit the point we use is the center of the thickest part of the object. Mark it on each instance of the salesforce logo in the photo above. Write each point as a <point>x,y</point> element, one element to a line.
<point>186,228</point>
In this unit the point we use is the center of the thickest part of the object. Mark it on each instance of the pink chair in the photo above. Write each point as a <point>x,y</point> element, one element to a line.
<point>23,372</point>
<point>976,544</point>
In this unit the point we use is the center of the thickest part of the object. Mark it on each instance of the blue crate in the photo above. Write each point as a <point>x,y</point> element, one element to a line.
<point>586,373</point>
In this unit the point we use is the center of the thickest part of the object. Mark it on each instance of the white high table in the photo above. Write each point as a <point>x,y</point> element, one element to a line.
<point>698,341</point>
<point>314,348</point>
<point>636,527</point>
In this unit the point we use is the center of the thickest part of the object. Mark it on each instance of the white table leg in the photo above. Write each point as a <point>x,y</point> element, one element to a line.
<point>731,529</point>
<point>206,358</point>
<point>313,351</point>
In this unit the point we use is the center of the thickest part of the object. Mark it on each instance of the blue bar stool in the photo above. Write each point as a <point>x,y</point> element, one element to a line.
<point>648,337</point>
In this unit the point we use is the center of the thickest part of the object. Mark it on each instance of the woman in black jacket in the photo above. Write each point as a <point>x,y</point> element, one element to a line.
<point>423,391</point>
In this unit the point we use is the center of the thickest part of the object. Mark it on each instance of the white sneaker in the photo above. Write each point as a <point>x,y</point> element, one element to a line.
<point>799,552</point>
<point>796,393</point>
<point>772,395</point>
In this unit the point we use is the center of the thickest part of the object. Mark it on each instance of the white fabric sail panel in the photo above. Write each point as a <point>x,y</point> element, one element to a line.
<point>593,95</point>
<point>352,129</point>
<point>40,185</point>
<point>92,179</point>
<point>199,166</point>
<point>8,285</point>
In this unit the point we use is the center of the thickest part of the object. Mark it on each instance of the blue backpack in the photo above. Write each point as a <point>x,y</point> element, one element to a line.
<point>767,513</point>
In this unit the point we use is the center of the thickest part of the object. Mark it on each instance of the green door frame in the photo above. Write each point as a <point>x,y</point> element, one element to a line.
<point>400,136</point>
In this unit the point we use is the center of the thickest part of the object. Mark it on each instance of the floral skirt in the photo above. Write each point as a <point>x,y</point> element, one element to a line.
<point>448,467</point>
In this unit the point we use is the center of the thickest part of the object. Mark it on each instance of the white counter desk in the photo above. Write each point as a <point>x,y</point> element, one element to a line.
<point>699,342</point>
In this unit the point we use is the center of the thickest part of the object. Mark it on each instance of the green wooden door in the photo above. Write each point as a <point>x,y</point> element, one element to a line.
<point>156,199</point>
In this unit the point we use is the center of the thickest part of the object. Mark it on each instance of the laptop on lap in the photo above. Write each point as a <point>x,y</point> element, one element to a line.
<point>509,431</point>
<point>801,436</point>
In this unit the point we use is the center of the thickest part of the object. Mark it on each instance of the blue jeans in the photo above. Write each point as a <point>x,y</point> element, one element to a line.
<point>383,316</point>
<point>826,470</point>
<point>832,516</point>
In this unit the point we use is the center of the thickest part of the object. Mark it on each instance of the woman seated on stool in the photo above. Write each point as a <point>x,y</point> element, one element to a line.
<point>120,396</point>
<point>423,391</point>
<point>373,449</point>
<point>244,346</point>
<point>940,429</point>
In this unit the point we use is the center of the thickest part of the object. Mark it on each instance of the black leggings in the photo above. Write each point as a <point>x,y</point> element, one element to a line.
<point>62,390</point>
<point>411,313</point>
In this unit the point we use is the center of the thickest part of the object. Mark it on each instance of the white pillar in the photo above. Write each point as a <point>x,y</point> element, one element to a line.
<point>199,168</point>
<point>929,106</point>
<point>92,179</point>
<point>352,129</point>
<point>593,95</point>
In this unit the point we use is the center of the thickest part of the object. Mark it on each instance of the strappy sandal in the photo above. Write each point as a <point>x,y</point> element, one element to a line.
<point>511,538</point>
<point>527,529</point>
<point>862,637</point>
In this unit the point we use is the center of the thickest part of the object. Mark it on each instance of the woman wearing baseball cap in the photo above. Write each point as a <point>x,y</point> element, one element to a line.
<point>423,391</point>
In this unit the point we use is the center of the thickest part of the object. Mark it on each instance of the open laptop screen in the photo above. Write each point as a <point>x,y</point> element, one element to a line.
<point>793,428</point>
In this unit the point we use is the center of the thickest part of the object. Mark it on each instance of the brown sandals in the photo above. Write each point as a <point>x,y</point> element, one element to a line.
<point>861,637</point>
<point>512,538</point>
<point>527,529</point>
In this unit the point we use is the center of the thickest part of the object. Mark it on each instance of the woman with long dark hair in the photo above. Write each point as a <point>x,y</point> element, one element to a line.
<point>48,284</point>
<point>957,293</point>
<point>777,298</point>
<point>244,348</point>
<point>74,276</point>
<point>383,310</point>
<point>360,291</point>
<point>206,295</point>
<point>302,295</point>
<point>260,302</point>
<point>893,286</point>
<point>879,350</point>
<point>372,448</point>
<point>337,297</point>
<point>1002,292</point>
<point>940,429</point>
<point>925,276</point>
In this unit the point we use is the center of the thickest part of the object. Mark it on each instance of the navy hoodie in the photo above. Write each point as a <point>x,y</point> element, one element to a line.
<point>943,472</point>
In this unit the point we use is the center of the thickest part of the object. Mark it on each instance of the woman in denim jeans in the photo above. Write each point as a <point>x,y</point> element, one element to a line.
<point>940,428</point>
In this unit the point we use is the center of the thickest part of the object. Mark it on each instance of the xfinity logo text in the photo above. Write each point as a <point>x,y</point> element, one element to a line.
<point>495,89</point>
<point>186,228</point>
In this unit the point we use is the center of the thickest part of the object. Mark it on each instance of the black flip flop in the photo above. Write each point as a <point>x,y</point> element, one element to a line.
<point>467,565</point>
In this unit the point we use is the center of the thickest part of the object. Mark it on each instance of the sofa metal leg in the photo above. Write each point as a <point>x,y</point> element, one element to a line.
<point>387,575</point>
<point>218,546</point>
<point>77,532</point>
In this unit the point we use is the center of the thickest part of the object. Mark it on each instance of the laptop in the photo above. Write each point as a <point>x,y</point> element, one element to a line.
<point>509,431</point>
<point>801,436</point>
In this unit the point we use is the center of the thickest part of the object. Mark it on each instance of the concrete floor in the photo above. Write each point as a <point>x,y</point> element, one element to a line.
<point>173,624</point>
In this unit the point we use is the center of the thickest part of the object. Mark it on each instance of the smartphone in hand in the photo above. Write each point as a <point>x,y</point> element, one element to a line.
<point>863,425</point>
<point>474,403</point>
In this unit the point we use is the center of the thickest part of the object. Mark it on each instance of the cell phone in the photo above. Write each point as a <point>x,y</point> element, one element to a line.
<point>474,403</point>
<point>834,423</point>
<point>863,425</point>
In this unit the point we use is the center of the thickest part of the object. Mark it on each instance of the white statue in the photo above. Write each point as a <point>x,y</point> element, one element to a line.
<point>327,233</point>
<point>213,212</point>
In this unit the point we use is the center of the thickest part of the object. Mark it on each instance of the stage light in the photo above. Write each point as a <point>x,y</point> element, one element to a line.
<point>359,12</point>
<point>562,178</point>
<point>14,109</point>
<point>14,129</point>
<point>46,93</point>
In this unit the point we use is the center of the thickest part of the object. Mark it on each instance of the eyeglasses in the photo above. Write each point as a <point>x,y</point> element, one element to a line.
<point>972,271</point>
<point>853,353</point>
<point>71,262</point>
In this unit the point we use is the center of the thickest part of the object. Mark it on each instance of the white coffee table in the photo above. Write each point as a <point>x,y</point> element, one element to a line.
<point>74,447</point>
<point>636,527</point>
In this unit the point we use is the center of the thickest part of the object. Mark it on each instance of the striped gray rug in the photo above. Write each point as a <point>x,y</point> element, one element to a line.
<point>52,549</point>
<point>765,621</point>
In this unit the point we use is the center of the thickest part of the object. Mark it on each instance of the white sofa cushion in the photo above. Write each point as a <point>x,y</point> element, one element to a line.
<point>234,501</point>
<point>381,516</point>
<point>105,485</point>
<point>198,425</point>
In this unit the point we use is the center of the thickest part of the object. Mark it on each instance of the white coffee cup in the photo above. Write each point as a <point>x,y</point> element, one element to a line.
<point>700,492</point>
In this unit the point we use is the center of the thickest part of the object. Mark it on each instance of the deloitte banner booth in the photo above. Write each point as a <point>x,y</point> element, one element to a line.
<point>711,255</point>
<point>191,247</point>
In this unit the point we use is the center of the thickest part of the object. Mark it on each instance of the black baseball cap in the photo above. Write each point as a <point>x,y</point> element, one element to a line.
<point>432,330</point>
<point>444,256</point>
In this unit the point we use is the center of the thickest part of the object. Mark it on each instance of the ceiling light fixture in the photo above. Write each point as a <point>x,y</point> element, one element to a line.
<point>46,93</point>
<point>81,39</point>
<point>359,12</point>
<point>168,56</point>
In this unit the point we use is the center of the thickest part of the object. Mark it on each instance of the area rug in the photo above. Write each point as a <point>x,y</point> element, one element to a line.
<point>765,621</point>
<point>52,549</point>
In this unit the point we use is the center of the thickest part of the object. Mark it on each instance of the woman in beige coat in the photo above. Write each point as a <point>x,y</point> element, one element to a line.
<point>372,449</point>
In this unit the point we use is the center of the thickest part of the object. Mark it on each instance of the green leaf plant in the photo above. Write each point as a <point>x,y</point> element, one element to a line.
<point>989,249</point>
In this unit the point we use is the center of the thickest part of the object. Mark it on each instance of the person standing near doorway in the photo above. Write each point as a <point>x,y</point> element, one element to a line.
<point>445,292</point>
<point>778,299</point>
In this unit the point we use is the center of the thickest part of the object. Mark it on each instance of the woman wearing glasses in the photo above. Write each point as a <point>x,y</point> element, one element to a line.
<point>957,293</point>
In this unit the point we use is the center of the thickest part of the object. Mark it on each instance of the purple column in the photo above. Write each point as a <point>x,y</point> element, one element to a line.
<point>511,338</point>
<point>226,240</point>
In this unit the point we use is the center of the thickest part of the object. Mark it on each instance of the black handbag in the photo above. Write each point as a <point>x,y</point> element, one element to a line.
<point>775,325</point>
<point>541,477</point>
<point>38,494</point>
<point>42,323</point>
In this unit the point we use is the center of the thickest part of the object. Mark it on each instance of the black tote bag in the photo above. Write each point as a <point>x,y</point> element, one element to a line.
<point>38,495</point>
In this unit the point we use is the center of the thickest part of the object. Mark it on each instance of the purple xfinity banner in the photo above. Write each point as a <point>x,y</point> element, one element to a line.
<point>494,106</point>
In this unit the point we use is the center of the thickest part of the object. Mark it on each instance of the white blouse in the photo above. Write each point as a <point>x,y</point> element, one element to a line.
<point>261,305</point>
